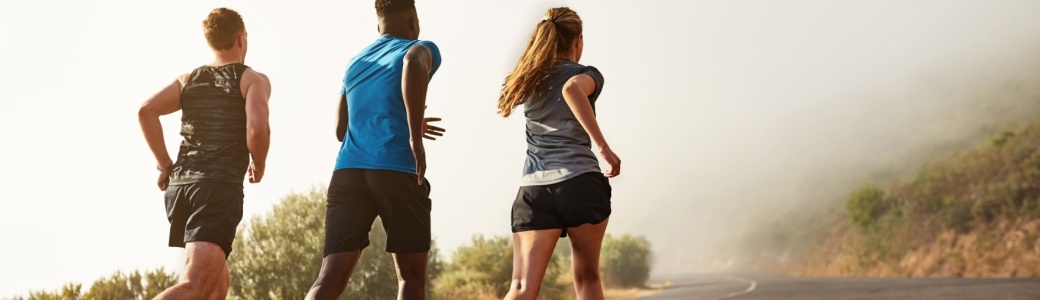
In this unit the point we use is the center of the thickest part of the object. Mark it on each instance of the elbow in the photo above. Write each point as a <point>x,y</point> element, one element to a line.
<point>145,112</point>
<point>258,133</point>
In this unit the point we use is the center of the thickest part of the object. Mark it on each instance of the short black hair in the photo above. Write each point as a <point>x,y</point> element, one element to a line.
<point>385,7</point>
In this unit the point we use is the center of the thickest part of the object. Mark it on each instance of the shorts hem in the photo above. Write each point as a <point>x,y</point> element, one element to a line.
<point>326,253</point>
<point>406,250</point>
<point>209,238</point>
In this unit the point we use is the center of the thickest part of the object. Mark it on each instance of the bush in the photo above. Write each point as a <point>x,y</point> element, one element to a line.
<point>625,261</point>
<point>279,255</point>
<point>865,205</point>
<point>466,284</point>
<point>117,286</point>
<point>484,270</point>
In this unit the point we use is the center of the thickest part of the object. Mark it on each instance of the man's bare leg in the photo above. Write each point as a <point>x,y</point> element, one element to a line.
<point>335,273</point>
<point>411,275</point>
<point>203,273</point>
<point>221,291</point>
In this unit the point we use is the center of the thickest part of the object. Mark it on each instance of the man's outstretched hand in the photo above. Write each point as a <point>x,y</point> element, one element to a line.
<point>431,132</point>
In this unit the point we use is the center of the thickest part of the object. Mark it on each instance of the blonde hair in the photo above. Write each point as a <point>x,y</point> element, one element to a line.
<point>552,36</point>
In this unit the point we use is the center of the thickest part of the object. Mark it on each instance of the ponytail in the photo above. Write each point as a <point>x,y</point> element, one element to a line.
<point>552,36</point>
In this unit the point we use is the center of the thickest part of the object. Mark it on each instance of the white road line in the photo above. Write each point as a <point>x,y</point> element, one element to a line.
<point>751,287</point>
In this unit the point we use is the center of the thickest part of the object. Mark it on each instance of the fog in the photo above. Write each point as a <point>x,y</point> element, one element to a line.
<point>773,113</point>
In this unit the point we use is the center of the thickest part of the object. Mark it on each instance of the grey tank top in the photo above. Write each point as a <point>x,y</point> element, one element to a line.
<point>558,148</point>
<point>213,124</point>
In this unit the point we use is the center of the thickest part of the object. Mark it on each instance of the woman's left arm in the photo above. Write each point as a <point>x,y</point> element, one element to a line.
<point>576,92</point>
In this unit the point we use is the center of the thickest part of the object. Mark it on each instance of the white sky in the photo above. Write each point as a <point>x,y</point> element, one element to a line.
<point>697,95</point>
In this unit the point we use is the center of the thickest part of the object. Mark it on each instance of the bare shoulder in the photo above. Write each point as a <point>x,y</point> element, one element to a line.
<point>251,76</point>
<point>583,81</point>
<point>418,52</point>
<point>255,81</point>
<point>183,79</point>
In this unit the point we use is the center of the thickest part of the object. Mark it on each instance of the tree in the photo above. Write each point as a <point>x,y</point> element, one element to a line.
<point>69,292</point>
<point>484,269</point>
<point>158,281</point>
<point>625,260</point>
<point>116,286</point>
<point>279,255</point>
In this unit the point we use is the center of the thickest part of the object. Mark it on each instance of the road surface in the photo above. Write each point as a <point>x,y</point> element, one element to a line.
<point>773,287</point>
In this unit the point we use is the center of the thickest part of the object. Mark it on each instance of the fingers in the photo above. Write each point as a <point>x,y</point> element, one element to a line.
<point>164,181</point>
<point>432,135</point>
<point>254,176</point>
<point>419,173</point>
<point>431,119</point>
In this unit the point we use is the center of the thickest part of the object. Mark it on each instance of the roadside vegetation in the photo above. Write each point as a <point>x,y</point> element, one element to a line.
<point>278,255</point>
<point>974,214</point>
<point>135,285</point>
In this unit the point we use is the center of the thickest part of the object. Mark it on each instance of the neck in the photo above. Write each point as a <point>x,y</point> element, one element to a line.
<point>403,35</point>
<point>568,56</point>
<point>397,27</point>
<point>226,57</point>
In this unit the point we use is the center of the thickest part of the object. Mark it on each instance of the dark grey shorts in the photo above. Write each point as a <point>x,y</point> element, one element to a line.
<point>204,212</point>
<point>357,196</point>
<point>584,199</point>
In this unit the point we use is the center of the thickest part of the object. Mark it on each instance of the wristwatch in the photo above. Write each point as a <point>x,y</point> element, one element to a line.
<point>161,169</point>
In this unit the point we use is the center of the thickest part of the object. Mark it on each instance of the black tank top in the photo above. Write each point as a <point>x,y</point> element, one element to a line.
<point>213,124</point>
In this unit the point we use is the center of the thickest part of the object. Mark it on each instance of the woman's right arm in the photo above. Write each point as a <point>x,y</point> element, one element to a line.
<point>576,92</point>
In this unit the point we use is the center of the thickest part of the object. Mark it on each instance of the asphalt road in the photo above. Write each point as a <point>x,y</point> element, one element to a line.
<point>756,287</point>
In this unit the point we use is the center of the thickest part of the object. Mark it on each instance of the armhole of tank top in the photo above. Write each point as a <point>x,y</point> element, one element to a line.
<point>589,70</point>
<point>240,73</point>
<point>188,80</point>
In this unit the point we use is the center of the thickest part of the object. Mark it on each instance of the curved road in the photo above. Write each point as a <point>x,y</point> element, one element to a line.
<point>761,287</point>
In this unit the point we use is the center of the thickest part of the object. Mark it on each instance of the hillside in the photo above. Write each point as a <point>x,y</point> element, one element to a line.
<point>972,214</point>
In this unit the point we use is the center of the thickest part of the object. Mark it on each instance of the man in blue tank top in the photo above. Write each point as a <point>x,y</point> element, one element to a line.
<point>224,123</point>
<point>379,171</point>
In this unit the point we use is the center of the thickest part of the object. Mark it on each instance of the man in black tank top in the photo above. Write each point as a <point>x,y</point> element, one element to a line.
<point>224,124</point>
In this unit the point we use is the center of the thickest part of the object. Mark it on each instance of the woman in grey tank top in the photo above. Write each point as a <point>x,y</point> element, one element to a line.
<point>562,191</point>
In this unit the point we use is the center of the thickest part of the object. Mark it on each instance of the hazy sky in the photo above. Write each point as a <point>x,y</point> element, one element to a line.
<point>703,100</point>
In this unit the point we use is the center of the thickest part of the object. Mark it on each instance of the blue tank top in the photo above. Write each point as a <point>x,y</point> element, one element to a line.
<point>377,128</point>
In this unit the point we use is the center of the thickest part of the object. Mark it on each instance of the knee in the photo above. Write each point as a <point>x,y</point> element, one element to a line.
<point>198,290</point>
<point>411,279</point>
<point>586,275</point>
<point>520,287</point>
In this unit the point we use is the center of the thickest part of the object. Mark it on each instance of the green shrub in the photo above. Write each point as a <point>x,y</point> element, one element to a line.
<point>625,261</point>
<point>279,255</point>
<point>484,269</point>
<point>465,284</point>
<point>955,213</point>
<point>117,286</point>
<point>865,205</point>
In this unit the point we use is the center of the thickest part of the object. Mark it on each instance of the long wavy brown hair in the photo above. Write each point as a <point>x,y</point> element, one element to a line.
<point>552,37</point>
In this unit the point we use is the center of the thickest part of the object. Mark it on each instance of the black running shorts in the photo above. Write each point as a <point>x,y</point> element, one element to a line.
<point>357,196</point>
<point>584,199</point>
<point>204,212</point>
